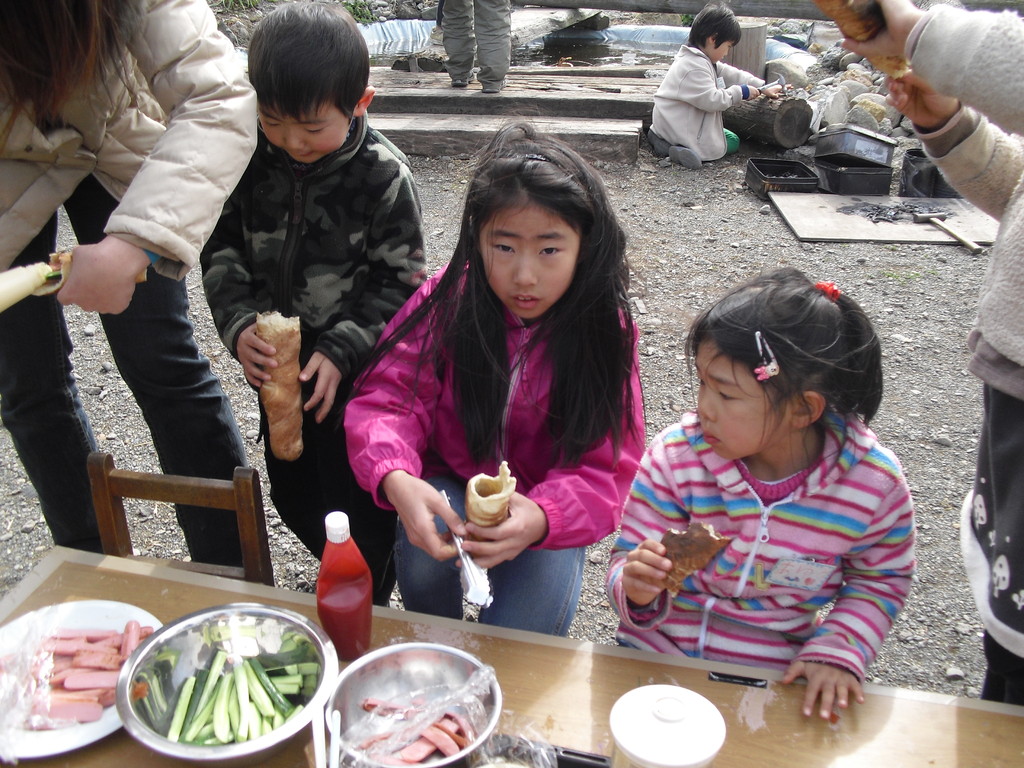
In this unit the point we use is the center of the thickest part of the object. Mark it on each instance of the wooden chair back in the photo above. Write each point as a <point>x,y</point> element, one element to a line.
<point>111,486</point>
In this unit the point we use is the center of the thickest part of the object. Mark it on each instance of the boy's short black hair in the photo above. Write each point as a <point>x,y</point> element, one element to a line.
<point>306,55</point>
<point>715,22</point>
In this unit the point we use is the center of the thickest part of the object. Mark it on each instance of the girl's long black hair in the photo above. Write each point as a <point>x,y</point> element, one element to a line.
<point>821,338</point>
<point>589,331</point>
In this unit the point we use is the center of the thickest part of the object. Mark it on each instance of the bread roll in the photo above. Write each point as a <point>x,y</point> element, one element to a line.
<point>690,551</point>
<point>487,497</point>
<point>861,20</point>
<point>281,396</point>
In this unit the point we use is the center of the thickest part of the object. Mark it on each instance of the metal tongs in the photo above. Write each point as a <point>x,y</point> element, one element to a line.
<point>475,584</point>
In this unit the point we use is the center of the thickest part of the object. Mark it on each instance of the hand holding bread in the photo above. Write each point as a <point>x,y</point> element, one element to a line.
<point>281,393</point>
<point>863,20</point>
<point>690,551</point>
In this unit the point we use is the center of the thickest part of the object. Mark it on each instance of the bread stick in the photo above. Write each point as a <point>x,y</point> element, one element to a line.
<point>281,396</point>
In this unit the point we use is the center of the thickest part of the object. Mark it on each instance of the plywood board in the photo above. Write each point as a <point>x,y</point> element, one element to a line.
<point>818,216</point>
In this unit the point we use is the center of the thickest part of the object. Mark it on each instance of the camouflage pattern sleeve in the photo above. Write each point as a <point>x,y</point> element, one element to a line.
<point>227,276</point>
<point>393,251</point>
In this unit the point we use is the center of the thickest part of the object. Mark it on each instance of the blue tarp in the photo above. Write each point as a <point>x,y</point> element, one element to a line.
<point>405,36</point>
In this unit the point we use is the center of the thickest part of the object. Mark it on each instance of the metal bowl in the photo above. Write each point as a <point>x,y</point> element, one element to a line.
<point>151,681</point>
<point>428,677</point>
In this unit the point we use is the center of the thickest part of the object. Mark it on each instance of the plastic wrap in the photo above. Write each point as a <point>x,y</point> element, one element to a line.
<point>24,668</point>
<point>527,750</point>
<point>389,727</point>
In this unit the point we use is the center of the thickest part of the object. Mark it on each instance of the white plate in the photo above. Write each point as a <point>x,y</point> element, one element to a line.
<point>81,614</point>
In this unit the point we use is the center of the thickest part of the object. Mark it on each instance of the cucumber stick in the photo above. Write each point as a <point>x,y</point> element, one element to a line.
<point>221,722</point>
<point>242,694</point>
<point>181,708</point>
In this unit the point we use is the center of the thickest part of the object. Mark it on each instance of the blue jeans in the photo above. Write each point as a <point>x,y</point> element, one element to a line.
<point>188,414</point>
<point>537,591</point>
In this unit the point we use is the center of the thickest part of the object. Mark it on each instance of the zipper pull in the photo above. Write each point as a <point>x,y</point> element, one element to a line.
<point>763,536</point>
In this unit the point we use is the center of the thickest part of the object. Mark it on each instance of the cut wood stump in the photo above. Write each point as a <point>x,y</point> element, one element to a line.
<point>783,122</point>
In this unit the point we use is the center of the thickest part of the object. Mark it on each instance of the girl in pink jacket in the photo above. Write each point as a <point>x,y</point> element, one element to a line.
<point>523,350</point>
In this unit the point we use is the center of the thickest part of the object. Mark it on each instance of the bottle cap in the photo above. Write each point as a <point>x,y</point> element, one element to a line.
<point>337,527</point>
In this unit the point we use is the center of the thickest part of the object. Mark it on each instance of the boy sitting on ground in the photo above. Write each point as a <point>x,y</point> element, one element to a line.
<point>687,126</point>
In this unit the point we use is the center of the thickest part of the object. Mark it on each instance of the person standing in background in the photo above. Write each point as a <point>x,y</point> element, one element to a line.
<point>480,29</point>
<point>136,117</point>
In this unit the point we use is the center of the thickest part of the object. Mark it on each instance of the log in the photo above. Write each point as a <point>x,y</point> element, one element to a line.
<point>766,9</point>
<point>783,122</point>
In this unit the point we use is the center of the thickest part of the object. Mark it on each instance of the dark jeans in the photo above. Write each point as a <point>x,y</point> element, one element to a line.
<point>537,591</point>
<point>152,344</point>
<point>997,524</point>
<point>321,481</point>
<point>1004,678</point>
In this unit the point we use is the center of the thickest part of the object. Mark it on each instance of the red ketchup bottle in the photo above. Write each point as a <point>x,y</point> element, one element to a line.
<point>344,591</point>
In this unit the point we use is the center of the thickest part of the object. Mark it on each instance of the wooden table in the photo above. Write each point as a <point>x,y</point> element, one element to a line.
<point>564,689</point>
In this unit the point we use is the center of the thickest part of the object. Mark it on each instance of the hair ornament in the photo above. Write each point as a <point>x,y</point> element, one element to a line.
<point>538,158</point>
<point>829,289</point>
<point>769,365</point>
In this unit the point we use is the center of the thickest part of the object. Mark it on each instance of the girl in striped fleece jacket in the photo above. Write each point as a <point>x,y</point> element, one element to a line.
<point>778,458</point>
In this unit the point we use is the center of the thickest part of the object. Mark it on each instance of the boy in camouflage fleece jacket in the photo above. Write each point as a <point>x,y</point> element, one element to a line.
<point>324,225</point>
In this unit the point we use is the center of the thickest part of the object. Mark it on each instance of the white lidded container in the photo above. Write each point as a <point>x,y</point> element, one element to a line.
<point>665,726</point>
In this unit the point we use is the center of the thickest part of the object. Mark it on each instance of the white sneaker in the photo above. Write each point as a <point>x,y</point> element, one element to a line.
<point>685,157</point>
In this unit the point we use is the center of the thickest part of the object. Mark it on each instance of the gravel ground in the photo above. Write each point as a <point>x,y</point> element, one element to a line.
<point>692,234</point>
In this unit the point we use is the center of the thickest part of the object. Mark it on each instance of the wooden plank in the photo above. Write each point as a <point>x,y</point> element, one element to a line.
<point>817,217</point>
<point>595,98</point>
<point>614,141</point>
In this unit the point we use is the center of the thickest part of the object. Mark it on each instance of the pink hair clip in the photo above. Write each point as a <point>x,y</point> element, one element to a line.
<point>829,289</point>
<point>769,366</point>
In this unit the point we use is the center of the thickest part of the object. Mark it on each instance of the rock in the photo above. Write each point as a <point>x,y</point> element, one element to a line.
<point>89,330</point>
<point>850,58</point>
<point>853,84</point>
<point>830,58</point>
<point>835,103</point>
<point>954,673</point>
<point>869,97</point>
<point>873,108</point>
<point>862,118</point>
<point>794,74</point>
<point>407,9</point>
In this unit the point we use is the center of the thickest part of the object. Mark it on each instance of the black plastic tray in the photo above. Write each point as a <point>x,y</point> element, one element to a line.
<point>853,145</point>
<point>853,179</point>
<point>766,175</point>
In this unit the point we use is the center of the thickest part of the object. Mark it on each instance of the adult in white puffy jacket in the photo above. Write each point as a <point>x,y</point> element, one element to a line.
<point>962,63</point>
<point>136,117</point>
